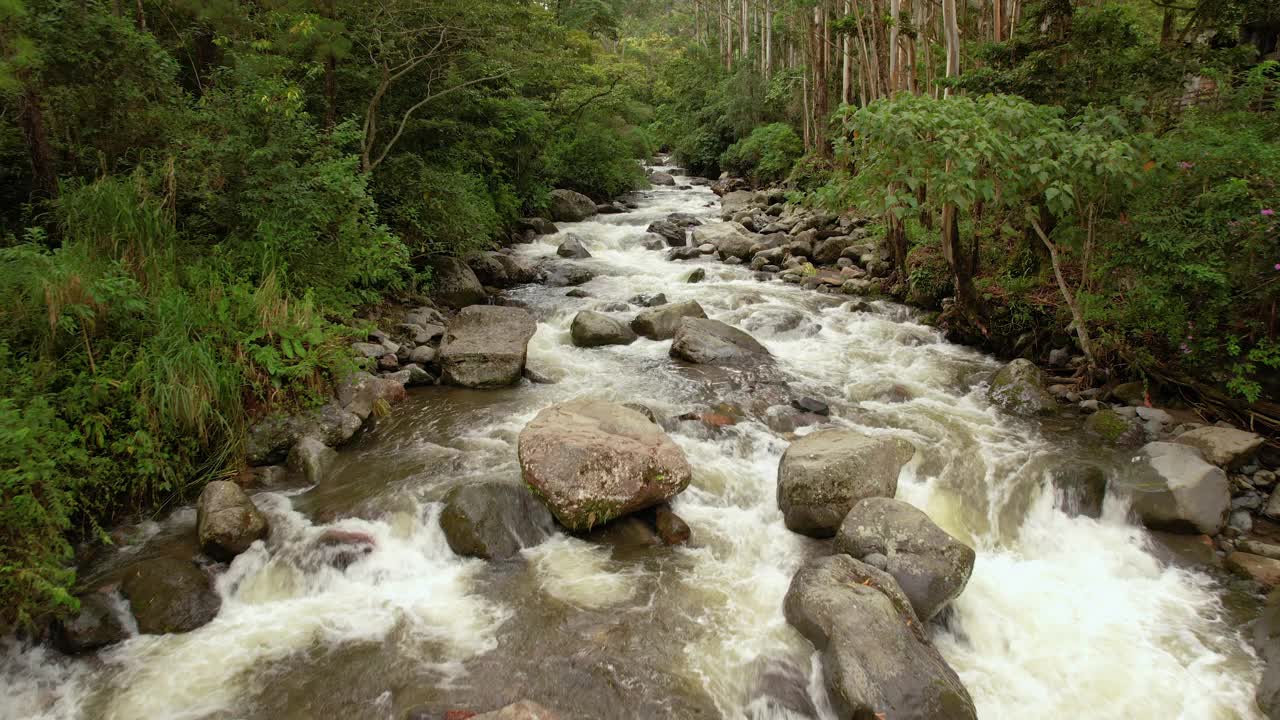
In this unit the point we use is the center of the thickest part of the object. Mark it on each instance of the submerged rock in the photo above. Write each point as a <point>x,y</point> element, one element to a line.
<point>1175,489</point>
<point>494,520</point>
<point>1019,388</point>
<point>662,322</point>
<point>486,347</point>
<point>1266,640</point>
<point>570,206</point>
<point>671,527</point>
<point>592,461</point>
<point>227,521</point>
<point>930,566</point>
<point>877,660</point>
<point>593,329</point>
<point>1081,489</point>
<point>824,474</point>
<point>312,459</point>
<point>168,595</point>
<point>711,342</point>
<point>1227,448</point>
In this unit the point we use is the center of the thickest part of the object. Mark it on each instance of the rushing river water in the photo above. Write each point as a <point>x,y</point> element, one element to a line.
<point>1063,618</point>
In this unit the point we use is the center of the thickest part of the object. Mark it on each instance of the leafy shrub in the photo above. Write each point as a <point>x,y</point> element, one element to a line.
<point>593,159</point>
<point>765,156</point>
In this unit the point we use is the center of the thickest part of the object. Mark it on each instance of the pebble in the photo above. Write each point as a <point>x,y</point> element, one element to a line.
<point>1089,405</point>
<point>1241,520</point>
<point>1250,501</point>
<point>811,405</point>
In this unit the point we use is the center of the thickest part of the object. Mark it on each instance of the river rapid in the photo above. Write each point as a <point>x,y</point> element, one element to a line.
<point>1064,617</point>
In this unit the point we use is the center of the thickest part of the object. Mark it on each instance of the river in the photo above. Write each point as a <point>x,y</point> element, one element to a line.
<point>1064,617</point>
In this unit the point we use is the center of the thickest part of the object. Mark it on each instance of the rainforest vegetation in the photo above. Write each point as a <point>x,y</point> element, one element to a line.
<point>201,199</point>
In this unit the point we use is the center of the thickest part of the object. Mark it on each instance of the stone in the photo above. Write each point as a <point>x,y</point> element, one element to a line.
<point>1019,388</point>
<point>1155,415</point>
<point>334,423</point>
<point>168,595</point>
<point>829,250</point>
<point>684,253</point>
<point>1240,520</point>
<point>419,375</point>
<point>388,363</point>
<point>572,248</point>
<point>877,660</point>
<point>592,329</point>
<point>711,342</point>
<point>672,233</point>
<point>539,226</point>
<point>312,458</point>
<point>1081,489</point>
<point>372,351</point>
<point>697,276</point>
<point>1266,640</point>
<point>779,320</point>
<point>423,355</point>
<point>97,624</point>
<point>227,521</point>
<point>649,300</point>
<point>662,322</point>
<point>486,347</point>
<point>732,203</point>
<point>811,405</point>
<point>592,461</point>
<point>930,566</point>
<point>1265,571</point>
<point>1130,393</point>
<point>1228,448</point>
<point>653,242</point>
<point>566,274</point>
<point>523,710</point>
<point>1114,428</point>
<point>671,527</point>
<point>661,178</point>
<point>730,239</point>
<point>537,378</point>
<point>358,395</point>
<point>570,206</point>
<point>494,520</point>
<point>1174,489</point>
<point>825,473</point>
<point>453,284</point>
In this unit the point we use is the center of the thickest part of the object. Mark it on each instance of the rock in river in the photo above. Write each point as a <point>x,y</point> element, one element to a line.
<point>930,566</point>
<point>824,474</point>
<point>592,461</point>
<point>454,284</point>
<point>493,520</point>
<point>1019,388</point>
<point>593,329</point>
<point>570,206</point>
<point>573,248</point>
<point>99,623</point>
<point>227,521</point>
<point>168,595</point>
<point>711,342</point>
<point>730,239</point>
<point>1266,640</point>
<point>486,346</point>
<point>1175,489</point>
<point>877,659</point>
<point>661,323</point>
<point>1227,448</point>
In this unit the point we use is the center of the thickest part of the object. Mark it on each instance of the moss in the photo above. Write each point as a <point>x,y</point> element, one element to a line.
<point>1108,425</point>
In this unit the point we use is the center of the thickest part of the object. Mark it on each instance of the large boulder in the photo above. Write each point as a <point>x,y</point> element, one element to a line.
<point>732,203</point>
<point>537,225</point>
<point>1174,489</point>
<point>486,346</point>
<point>670,231</point>
<point>828,251</point>
<point>168,595</point>
<point>493,520</point>
<point>334,423</point>
<point>593,329</point>
<point>661,178</point>
<point>1019,387</point>
<point>662,322</point>
<point>877,660</point>
<point>730,239</point>
<point>227,521</point>
<point>824,474</point>
<point>930,566</point>
<point>573,248</point>
<point>592,461</point>
<point>711,342</point>
<point>570,206</point>
<point>488,269</point>
<point>1266,640</point>
<point>1227,448</point>
<point>100,622</point>
<point>453,284</point>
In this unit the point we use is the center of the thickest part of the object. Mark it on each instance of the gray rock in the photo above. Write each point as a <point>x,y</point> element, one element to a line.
<point>697,276</point>
<point>334,423</point>
<point>1241,520</point>
<point>423,355</point>
<point>1227,448</point>
<point>566,274</point>
<point>227,521</point>
<point>1174,489</point>
<point>824,474</point>
<point>97,624</point>
<point>649,300</point>
<point>572,248</point>
<point>570,206</point>
<point>368,350</point>
<point>494,520</point>
<point>453,284</point>
<point>592,461</point>
<point>672,233</point>
<point>593,329</point>
<point>711,342</point>
<point>662,322</point>
<point>730,239</point>
<point>653,242</point>
<point>684,253</point>
<point>876,656</point>
<point>360,393</point>
<point>486,347</point>
<point>779,320</point>
<point>735,202</point>
<point>418,375</point>
<point>1081,489</point>
<point>425,316</point>
<point>1019,388</point>
<point>1266,640</point>
<point>539,226</point>
<point>811,405</point>
<point>930,566</point>
<point>312,458</point>
<point>661,178</point>
<point>167,595</point>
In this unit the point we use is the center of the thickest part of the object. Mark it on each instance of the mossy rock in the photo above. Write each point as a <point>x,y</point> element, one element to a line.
<point>1019,388</point>
<point>1114,428</point>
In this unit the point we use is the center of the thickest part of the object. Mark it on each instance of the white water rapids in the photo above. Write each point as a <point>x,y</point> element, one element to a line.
<point>1064,617</point>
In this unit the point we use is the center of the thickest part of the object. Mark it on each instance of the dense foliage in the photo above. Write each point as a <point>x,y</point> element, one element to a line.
<point>197,196</point>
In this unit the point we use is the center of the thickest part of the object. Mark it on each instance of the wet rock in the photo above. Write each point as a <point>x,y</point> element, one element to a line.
<point>360,393</point>
<point>494,520</point>
<point>732,203</point>
<point>423,355</point>
<point>776,320</point>
<point>1019,388</point>
<point>697,276</point>
<point>489,269</point>
<point>811,405</point>
<point>1266,640</point>
<point>1130,393</point>
<point>453,284</point>
<point>1227,448</point>
<point>653,242</point>
<point>312,458</point>
<point>539,226</point>
<point>519,270</point>
<point>671,527</point>
<point>592,461</point>
<point>661,178</point>
<point>97,624</point>
<point>523,710</point>
<point>644,410</point>
<point>829,250</point>
<point>824,474</point>
<point>485,347</point>
<point>930,566</point>
<point>565,274</point>
<point>1081,489</point>
<point>1114,428</point>
<point>372,351</point>
<point>1263,570</point>
<point>227,521</point>
<point>268,477</point>
<point>578,293</point>
<point>876,656</point>
<point>537,378</point>
<point>168,595</point>
<point>649,300</point>
<point>684,253</point>
<point>684,219</point>
<point>786,419</point>
<point>1190,551</point>
<point>570,206</point>
<point>611,208</point>
<point>572,248</point>
<point>711,342</point>
<point>730,239</point>
<point>593,329</point>
<point>334,423</point>
<point>1174,489</point>
<point>672,233</point>
<point>419,375</point>
<point>662,322</point>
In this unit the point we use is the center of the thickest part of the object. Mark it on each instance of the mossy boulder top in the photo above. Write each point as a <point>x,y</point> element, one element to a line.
<point>592,461</point>
<point>1019,388</point>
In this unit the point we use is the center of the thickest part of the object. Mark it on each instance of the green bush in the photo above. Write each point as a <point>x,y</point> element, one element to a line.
<point>593,159</point>
<point>766,155</point>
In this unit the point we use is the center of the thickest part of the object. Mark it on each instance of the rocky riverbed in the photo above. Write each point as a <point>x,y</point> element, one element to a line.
<point>671,457</point>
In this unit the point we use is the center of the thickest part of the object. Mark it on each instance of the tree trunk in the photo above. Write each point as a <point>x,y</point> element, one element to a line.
<point>953,39</point>
<point>961,266</point>
<point>1073,303</point>
<point>997,20</point>
<point>44,174</point>
<point>895,8</point>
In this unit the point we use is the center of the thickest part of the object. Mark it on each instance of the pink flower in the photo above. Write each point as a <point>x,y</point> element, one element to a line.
<point>1268,212</point>
<point>1186,165</point>
<point>1278,266</point>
